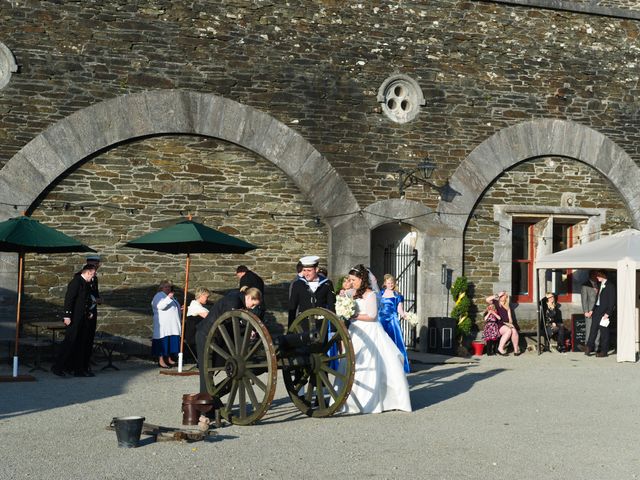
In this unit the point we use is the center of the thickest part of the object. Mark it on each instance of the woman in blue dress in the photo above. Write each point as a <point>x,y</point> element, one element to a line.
<point>391,310</point>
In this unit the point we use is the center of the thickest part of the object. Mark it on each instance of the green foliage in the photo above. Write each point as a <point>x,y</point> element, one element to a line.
<point>462,306</point>
<point>459,286</point>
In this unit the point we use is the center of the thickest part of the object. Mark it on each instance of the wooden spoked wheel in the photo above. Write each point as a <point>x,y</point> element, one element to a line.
<point>240,365</point>
<point>318,374</point>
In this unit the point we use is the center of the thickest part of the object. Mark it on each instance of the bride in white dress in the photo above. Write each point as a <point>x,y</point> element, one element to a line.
<point>380,383</point>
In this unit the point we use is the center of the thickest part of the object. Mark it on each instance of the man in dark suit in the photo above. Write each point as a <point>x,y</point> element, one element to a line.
<point>77,313</point>
<point>250,279</point>
<point>96,300</point>
<point>602,315</point>
<point>588,295</point>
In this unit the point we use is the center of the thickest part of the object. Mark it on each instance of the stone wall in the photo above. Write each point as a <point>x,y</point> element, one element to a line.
<point>148,184</point>
<point>543,182</point>
<point>315,66</point>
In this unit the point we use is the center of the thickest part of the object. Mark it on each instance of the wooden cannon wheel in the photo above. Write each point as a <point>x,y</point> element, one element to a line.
<point>240,365</point>
<point>314,382</point>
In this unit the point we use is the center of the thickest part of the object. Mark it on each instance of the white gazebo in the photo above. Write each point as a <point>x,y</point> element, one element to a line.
<point>619,252</point>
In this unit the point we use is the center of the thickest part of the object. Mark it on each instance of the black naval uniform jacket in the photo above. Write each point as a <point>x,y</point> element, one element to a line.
<point>303,298</point>
<point>77,302</point>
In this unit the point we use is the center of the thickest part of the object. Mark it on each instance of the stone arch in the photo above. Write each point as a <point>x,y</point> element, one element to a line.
<point>538,138</point>
<point>408,212</point>
<point>397,209</point>
<point>92,129</point>
<point>502,151</point>
<point>66,143</point>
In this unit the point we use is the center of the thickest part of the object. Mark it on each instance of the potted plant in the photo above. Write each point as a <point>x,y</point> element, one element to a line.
<point>461,309</point>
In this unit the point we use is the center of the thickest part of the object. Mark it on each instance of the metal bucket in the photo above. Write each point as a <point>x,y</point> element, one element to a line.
<point>128,430</point>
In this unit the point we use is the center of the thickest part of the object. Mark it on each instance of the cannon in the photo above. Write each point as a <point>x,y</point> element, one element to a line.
<point>242,359</point>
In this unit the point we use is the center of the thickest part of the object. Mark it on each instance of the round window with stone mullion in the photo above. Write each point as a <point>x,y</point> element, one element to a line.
<point>401,98</point>
<point>7,65</point>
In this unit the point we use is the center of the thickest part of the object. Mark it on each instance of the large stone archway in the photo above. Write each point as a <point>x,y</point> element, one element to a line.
<point>506,149</point>
<point>71,140</point>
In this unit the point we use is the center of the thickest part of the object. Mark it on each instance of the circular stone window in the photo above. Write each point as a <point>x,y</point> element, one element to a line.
<point>7,65</point>
<point>401,98</point>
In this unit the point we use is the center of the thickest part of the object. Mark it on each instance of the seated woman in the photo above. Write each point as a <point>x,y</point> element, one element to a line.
<point>553,320</point>
<point>508,330</point>
<point>380,383</point>
<point>195,314</point>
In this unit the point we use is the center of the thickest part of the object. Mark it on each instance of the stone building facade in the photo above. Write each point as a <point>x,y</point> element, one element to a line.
<point>286,125</point>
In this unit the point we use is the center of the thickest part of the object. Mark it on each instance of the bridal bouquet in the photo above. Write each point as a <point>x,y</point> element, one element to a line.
<point>411,318</point>
<point>345,307</point>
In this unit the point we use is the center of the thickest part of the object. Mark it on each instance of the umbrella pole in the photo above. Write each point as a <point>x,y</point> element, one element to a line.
<point>20,274</point>
<point>184,313</point>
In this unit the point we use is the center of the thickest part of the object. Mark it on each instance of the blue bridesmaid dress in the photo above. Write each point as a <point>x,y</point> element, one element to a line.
<point>388,317</point>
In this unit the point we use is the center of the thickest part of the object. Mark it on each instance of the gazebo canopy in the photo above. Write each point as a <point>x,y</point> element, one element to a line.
<point>620,252</point>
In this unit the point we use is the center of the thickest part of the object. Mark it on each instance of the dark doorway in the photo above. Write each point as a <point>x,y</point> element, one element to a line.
<point>393,251</point>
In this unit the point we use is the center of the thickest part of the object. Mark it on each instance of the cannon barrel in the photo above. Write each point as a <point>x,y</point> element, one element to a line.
<point>293,340</point>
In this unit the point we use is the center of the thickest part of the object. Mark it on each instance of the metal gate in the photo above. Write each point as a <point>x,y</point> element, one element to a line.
<point>401,261</point>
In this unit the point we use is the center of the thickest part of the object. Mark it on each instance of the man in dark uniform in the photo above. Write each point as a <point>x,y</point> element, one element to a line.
<point>233,300</point>
<point>310,290</point>
<point>92,323</point>
<point>77,304</point>
<point>602,315</point>
<point>250,279</point>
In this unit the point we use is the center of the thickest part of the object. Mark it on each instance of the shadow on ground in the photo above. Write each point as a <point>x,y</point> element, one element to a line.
<point>49,392</point>
<point>429,387</point>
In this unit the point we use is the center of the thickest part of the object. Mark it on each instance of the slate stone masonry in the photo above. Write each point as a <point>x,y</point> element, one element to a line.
<point>316,67</point>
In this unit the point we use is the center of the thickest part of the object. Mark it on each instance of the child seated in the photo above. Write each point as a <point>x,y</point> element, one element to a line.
<point>491,331</point>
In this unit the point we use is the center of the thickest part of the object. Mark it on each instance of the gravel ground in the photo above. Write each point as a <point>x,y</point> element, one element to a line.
<point>556,416</point>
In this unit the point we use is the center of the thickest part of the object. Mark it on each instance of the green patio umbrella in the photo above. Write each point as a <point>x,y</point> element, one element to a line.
<point>189,237</point>
<point>24,235</point>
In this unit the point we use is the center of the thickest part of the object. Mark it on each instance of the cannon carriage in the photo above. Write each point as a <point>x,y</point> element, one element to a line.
<point>242,360</point>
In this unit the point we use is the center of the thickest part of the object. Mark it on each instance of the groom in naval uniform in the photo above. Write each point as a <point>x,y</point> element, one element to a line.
<point>310,289</point>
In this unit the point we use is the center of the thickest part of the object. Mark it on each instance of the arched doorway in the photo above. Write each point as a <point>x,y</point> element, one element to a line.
<point>394,251</point>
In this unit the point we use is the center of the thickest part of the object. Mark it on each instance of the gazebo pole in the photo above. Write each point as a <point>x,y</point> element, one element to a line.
<point>20,274</point>
<point>538,308</point>
<point>184,313</point>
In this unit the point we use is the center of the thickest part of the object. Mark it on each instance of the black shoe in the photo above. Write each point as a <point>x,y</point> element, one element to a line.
<point>89,373</point>
<point>80,374</point>
<point>58,371</point>
<point>505,354</point>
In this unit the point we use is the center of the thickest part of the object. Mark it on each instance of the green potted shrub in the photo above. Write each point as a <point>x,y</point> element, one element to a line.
<point>461,309</point>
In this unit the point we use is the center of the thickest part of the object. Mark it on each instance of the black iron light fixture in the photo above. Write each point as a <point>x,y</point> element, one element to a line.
<point>421,175</point>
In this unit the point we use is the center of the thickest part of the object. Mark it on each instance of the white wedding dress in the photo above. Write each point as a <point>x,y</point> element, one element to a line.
<point>380,383</point>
